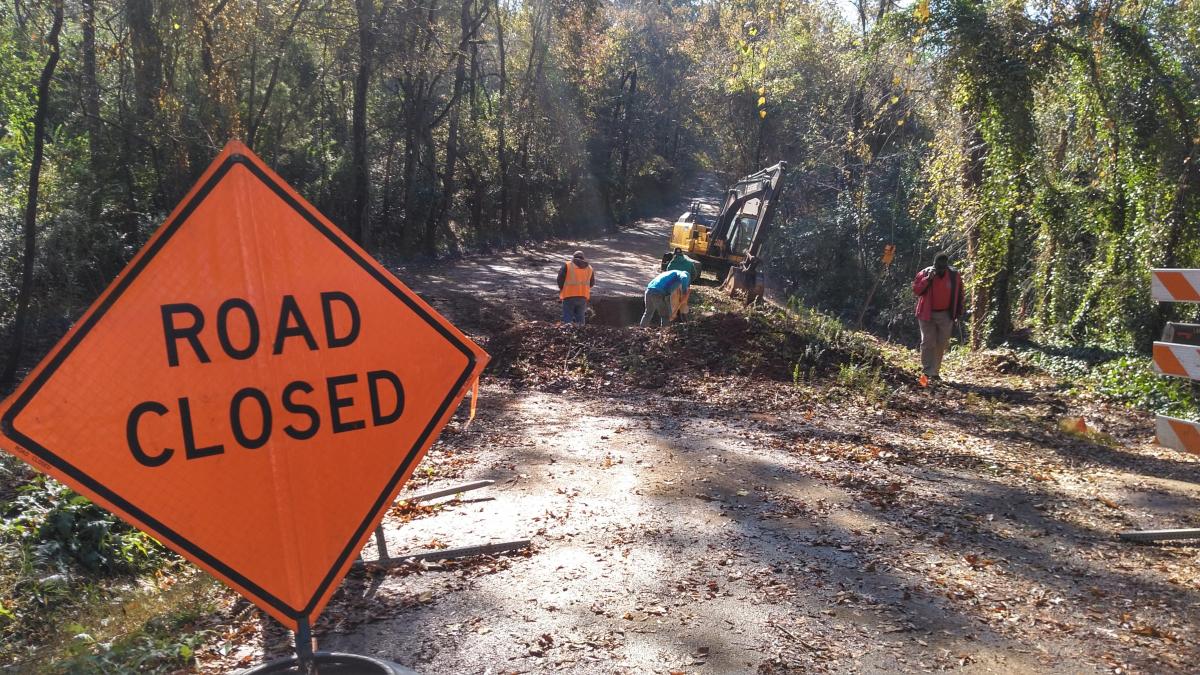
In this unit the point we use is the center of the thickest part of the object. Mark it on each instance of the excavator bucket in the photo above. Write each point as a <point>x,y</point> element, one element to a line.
<point>746,283</point>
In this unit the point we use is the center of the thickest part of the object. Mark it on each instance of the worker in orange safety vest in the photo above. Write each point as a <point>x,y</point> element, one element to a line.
<point>575,280</point>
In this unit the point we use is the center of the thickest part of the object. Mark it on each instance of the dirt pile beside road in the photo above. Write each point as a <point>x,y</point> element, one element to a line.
<point>720,338</point>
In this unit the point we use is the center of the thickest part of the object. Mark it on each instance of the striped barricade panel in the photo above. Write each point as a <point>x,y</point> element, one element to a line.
<point>1175,285</point>
<point>1177,360</point>
<point>1178,434</point>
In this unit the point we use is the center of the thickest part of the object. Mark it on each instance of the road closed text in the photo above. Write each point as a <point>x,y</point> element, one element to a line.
<point>256,413</point>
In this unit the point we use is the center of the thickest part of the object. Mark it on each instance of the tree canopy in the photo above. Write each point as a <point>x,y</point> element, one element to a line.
<point>1049,146</point>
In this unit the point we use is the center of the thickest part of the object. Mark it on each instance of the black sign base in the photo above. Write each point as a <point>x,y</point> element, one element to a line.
<point>333,663</point>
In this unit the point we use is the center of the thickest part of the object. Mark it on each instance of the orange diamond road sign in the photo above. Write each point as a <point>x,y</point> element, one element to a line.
<point>253,390</point>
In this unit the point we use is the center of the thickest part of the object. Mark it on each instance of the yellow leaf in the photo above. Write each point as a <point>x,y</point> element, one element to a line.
<point>735,67</point>
<point>762,91</point>
<point>762,114</point>
<point>762,65</point>
<point>175,26</point>
<point>762,100</point>
<point>922,11</point>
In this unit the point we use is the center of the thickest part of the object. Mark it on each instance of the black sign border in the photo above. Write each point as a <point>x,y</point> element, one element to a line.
<point>158,528</point>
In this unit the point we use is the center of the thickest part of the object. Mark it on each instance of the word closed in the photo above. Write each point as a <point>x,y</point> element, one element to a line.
<point>254,412</point>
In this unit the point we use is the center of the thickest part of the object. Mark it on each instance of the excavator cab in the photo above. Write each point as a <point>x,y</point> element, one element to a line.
<point>728,244</point>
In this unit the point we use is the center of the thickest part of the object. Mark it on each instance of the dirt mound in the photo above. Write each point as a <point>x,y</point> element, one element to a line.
<point>758,343</point>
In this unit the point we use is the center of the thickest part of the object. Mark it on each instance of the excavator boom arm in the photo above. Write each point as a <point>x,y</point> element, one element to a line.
<point>765,186</point>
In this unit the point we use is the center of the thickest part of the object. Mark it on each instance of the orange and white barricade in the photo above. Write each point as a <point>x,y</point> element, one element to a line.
<point>1177,360</point>
<point>1178,434</point>
<point>1177,355</point>
<point>1167,285</point>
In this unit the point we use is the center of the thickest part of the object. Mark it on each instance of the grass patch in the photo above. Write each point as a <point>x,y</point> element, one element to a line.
<point>81,591</point>
<point>866,380</point>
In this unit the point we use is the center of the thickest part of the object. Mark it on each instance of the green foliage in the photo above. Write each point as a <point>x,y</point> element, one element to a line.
<point>62,558</point>
<point>1066,363</point>
<point>63,530</point>
<point>1126,378</point>
<point>1052,151</point>
<point>1132,381</point>
<point>865,379</point>
<point>1065,164</point>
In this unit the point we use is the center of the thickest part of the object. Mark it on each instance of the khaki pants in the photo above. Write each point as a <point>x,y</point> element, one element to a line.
<point>657,304</point>
<point>935,338</point>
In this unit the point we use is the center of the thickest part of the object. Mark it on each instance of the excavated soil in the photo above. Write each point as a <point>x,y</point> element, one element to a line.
<point>729,341</point>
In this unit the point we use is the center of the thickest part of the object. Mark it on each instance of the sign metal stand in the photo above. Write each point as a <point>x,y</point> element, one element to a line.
<point>305,656</point>
<point>386,559</point>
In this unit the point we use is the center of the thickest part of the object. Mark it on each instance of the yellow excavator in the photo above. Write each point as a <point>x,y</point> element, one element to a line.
<point>728,245</point>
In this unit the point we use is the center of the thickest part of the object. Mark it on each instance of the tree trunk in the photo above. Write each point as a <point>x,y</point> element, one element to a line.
<point>128,159</point>
<point>1001,288</point>
<point>468,23</point>
<point>359,168</point>
<point>604,170</point>
<point>21,319</point>
<point>410,164</point>
<point>146,52</point>
<point>91,111</point>
<point>385,207</point>
<point>976,153</point>
<point>501,138</point>
<point>219,113</point>
<point>626,136</point>
<point>147,58</point>
<point>256,118</point>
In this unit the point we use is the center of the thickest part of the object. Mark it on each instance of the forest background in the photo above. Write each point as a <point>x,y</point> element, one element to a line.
<point>1049,146</point>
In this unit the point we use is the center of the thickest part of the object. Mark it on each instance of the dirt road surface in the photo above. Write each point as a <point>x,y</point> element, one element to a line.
<point>622,262</point>
<point>710,524</point>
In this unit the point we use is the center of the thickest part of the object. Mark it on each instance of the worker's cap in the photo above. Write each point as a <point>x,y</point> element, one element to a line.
<point>579,255</point>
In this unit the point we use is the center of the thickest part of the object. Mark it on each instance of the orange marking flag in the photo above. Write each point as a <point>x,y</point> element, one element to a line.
<point>253,390</point>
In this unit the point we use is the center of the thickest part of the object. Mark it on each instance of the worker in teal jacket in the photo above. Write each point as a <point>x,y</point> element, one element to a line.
<point>684,264</point>
<point>659,294</point>
<point>679,261</point>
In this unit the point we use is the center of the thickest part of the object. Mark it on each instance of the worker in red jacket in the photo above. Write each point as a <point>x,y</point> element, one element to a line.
<point>939,292</point>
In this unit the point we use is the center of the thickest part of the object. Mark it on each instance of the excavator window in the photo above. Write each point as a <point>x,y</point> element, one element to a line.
<point>742,234</point>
